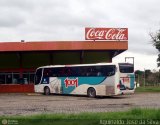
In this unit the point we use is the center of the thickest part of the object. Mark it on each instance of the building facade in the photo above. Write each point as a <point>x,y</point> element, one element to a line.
<point>19,60</point>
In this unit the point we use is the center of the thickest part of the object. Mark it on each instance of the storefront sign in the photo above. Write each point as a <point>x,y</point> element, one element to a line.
<point>106,34</point>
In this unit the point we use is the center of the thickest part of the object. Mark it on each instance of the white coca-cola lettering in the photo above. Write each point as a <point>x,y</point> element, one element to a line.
<point>111,34</point>
<point>95,34</point>
<point>107,33</point>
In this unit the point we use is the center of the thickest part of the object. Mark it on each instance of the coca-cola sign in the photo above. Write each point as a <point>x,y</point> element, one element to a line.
<point>106,33</point>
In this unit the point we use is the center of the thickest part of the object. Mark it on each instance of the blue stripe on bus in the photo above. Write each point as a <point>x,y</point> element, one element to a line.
<point>81,80</point>
<point>132,78</point>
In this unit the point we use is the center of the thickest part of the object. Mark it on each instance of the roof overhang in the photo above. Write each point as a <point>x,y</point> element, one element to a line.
<point>63,45</point>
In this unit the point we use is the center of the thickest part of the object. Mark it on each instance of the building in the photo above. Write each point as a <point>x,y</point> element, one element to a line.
<point>19,60</point>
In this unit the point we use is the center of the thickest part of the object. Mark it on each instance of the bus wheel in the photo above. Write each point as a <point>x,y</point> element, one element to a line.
<point>91,92</point>
<point>46,91</point>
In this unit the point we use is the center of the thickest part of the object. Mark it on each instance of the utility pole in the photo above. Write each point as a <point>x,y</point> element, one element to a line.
<point>144,77</point>
<point>130,58</point>
<point>138,79</point>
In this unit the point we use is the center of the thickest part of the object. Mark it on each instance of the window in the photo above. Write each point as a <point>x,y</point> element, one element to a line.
<point>8,78</point>
<point>126,68</point>
<point>28,78</point>
<point>2,78</point>
<point>16,76</point>
<point>31,77</point>
<point>80,71</point>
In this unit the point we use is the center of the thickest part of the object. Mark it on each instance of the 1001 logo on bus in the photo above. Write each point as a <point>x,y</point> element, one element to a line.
<point>71,82</point>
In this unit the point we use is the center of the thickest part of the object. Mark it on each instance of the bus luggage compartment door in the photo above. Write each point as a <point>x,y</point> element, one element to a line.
<point>55,85</point>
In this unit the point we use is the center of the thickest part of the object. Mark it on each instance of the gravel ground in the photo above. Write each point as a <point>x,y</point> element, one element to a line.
<point>25,104</point>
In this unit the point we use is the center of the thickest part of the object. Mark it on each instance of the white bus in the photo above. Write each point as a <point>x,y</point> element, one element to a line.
<point>101,79</point>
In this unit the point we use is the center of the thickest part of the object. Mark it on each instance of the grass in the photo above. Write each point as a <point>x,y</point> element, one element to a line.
<point>148,89</point>
<point>87,118</point>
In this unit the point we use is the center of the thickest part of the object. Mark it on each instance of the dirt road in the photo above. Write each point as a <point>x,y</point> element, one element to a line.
<point>23,104</point>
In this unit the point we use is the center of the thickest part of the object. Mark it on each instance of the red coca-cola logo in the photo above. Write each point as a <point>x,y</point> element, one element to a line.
<point>71,82</point>
<point>106,33</point>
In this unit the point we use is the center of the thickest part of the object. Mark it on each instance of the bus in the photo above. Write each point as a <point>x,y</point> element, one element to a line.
<point>101,79</point>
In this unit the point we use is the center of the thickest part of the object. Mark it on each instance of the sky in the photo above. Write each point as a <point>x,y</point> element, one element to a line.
<point>52,20</point>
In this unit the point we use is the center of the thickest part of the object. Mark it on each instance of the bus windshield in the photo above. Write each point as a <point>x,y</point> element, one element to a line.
<point>38,76</point>
<point>126,68</point>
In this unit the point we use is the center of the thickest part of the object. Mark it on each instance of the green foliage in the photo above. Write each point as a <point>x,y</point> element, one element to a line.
<point>138,72</point>
<point>86,118</point>
<point>148,89</point>
<point>156,42</point>
<point>150,78</point>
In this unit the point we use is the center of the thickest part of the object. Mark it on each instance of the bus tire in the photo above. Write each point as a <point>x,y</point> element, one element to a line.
<point>46,91</point>
<point>91,92</point>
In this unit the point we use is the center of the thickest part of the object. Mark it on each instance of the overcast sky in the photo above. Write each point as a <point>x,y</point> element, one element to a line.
<point>40,20</point>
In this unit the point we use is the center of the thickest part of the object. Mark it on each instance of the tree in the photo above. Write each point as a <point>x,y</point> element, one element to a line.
<point>147,73</point>
<point>156,42</point>
<point>153,78</point>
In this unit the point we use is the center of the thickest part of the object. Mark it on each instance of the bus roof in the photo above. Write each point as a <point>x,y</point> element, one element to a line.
<point>93,64</point>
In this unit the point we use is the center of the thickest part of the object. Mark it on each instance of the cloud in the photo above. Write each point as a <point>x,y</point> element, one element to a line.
<point>142,61</point>
<point>39,20</point>
<point>13,13</point>
<point>10,19</point>
<point>16,4</point>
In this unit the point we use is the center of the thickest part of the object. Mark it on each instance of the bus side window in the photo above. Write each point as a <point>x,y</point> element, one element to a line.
<point>110,70</point>
<point>46,72</point>
<point>99,70</point>
<point>99,74</point>
<point>82,71</point>
<point>89,71</point>
<point>75,71</point>
<point>56,72</point>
